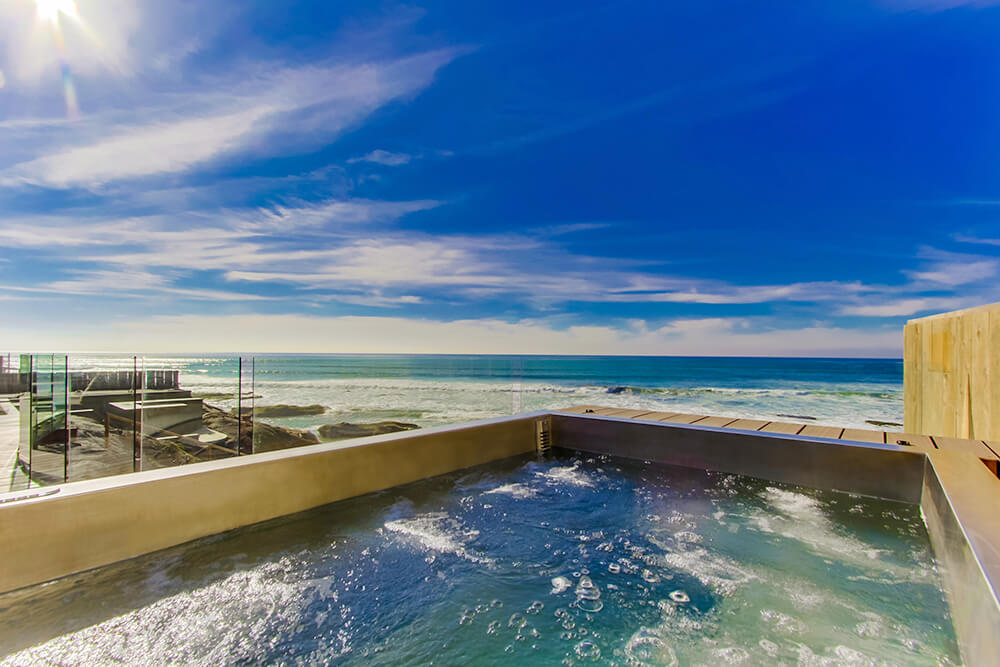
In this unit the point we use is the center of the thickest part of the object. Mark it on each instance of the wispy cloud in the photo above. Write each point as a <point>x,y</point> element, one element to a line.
<point>128,284</point>
<point>907,306</point>
<point>269,333</point>
<point>955,269</point>
<point>353,251</point>
<point>296,107</point>
<point>154,149</point>
<point>718,292</point>
<point>965,238</point>
<point>386,158</point>
<point>936,5</point>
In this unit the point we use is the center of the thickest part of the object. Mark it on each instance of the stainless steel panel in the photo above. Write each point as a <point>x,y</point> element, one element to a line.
<point>959,507</point>
<point>873,470</point>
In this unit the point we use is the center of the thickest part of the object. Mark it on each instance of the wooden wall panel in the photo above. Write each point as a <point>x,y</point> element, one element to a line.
<point>951,374</point>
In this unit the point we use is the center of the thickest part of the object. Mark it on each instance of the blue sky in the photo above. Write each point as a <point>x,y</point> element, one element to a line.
<point>720,177</point>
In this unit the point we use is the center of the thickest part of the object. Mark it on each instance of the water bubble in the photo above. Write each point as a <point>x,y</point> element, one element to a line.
<point>534,608</point>
<point>509,648</point>
<point>566,635</point>
<point>517,621</point>
<point>584,570</point>
<point>589,606</point>
<point>645,648</point>
<point>587,590</point>
<point>650,577</point>
<point>587,650</point>
<point>680,596</point>
<point>535,633</point>
<point>493,627</point>
<point>614,568</point>
<point>496,603</point>
<point>569,624</point>
<point>561,613</point>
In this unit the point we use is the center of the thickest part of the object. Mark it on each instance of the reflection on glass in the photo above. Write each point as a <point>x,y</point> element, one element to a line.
<point>97,416</point>
<point>47,437</point>
<point>245,407</point>
<point>179,427</point>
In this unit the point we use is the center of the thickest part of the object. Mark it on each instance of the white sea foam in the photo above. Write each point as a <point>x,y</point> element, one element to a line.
<point>220,623</point>
<point>437,531</point>
<point>560,585</point>
<point>714,570</point>
<point>448,400</point>
<point>802,518</point>
<point>730,655</point>
<point>515,490</point>
<point>839,656</point>
<point>567,475</point>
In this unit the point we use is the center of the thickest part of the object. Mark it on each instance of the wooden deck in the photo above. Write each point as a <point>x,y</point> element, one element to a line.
<point>988,452</point>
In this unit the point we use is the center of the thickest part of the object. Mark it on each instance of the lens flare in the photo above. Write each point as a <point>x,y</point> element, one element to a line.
<point>52,12</point>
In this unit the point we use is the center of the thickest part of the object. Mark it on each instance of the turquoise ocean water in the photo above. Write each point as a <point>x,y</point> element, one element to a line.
<point>438,389</point>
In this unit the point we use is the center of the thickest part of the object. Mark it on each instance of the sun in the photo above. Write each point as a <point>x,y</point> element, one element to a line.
<point>51,10</point>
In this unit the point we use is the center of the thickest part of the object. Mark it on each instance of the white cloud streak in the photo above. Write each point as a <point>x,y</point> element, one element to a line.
<point>386,158</point>
<point>964,238</point>
<point>905,307</point>
<point>277,111</point>
<point>348,250</point>
<point>270,333</point>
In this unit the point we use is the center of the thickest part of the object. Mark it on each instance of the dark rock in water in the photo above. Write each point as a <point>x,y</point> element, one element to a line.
<point>799,417</point>
<point>875,422</point>
<point>346,430</point>
<point>617,390</point>
<point>267,437</point>
<point>283,410</point>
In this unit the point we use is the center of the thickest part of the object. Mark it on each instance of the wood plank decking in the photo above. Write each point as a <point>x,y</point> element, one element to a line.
<point>988,452</point>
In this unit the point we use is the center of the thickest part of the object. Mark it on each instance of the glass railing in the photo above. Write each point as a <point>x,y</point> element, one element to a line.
<point>89,416</point>
<point>95,416</point>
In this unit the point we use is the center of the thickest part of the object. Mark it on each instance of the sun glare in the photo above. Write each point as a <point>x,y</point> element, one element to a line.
<point>50,10</point>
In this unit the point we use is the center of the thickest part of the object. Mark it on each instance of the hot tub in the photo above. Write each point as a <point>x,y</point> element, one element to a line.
<point>660,553</point>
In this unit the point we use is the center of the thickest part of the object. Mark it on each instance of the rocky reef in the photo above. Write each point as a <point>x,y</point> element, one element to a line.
<point>282,410</point>
<point>267,437</point>
<point>345,430</point>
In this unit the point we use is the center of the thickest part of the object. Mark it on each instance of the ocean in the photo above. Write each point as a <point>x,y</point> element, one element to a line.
<point>430,390</point>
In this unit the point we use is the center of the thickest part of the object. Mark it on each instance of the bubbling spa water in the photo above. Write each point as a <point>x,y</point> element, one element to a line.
<point>570,560</point>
